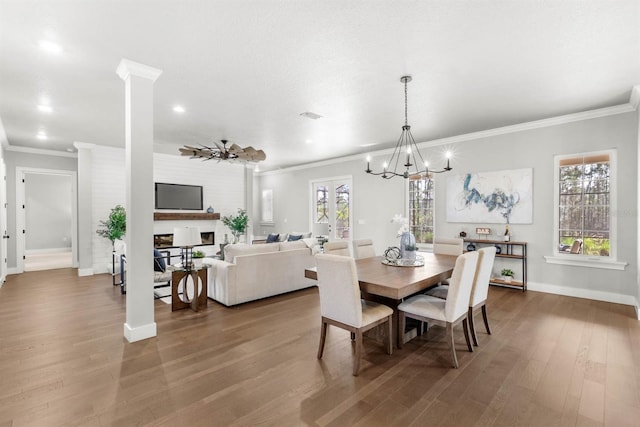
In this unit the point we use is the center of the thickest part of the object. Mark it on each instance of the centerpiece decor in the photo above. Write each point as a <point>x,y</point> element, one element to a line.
<point>407,239</point>
<point>237,224</point>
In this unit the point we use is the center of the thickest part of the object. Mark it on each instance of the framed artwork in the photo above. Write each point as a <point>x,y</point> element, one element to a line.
<point>502,197</point>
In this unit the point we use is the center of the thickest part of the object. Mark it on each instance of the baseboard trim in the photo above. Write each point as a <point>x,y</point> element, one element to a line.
<point>85,272</point>
<point>140,333</point>
<point>585,293</point>
<point>12,270</point>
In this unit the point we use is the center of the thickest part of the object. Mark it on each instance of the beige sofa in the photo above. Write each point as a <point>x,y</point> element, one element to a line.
<point>252,272</point>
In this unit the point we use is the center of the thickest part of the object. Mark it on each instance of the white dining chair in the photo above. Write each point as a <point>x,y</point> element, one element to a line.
<point>363,248</point>
<point>479,292</point>
<point>448,245</point>
<point>339,247</point>
<point>447,313</point>
<point>341,305</point>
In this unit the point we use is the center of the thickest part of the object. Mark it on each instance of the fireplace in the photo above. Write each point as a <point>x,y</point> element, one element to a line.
<point>161,241</point>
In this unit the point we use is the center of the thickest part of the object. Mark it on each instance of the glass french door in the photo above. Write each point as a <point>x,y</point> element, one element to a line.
<point>331,208</point>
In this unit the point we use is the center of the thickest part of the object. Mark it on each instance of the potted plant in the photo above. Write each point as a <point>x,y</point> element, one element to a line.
<point>197,258</point>
<point>115,227</point>
<point>507,274</point>
<point>237,223</point>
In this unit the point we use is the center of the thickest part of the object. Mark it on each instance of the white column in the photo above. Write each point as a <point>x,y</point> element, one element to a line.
<point>248,201</point>
<point>139,81</point>
<point>85,203</point>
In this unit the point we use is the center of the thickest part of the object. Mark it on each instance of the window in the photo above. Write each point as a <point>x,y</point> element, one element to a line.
<point>331,208</point>
<point>584,200</point>
<point>267,206</point>
<point>421,197</point>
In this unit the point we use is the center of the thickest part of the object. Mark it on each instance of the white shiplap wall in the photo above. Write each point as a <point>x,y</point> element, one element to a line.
<point>223,189</point>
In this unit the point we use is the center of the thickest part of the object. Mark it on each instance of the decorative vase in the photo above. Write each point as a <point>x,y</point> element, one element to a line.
<point>197,263</point>
<point>408,246</point>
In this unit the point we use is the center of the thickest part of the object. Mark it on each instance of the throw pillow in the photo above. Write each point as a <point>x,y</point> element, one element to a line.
<point>158,261</point>
<point>294,237</point>
<point>272,238</point>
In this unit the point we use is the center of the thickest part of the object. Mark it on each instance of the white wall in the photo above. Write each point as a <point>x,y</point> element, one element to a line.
<point>223,189</point>
<point>376,200</point>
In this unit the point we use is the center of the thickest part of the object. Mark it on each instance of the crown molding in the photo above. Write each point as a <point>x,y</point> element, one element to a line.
<point>537,124</point>
<point>127,68</point>
<point>84,145</point>
<point>40,151</point>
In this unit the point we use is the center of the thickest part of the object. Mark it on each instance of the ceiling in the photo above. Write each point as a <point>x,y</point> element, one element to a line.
<point>246,70</point>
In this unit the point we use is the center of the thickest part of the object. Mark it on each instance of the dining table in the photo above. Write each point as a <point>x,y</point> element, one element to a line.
<point>390,284</point>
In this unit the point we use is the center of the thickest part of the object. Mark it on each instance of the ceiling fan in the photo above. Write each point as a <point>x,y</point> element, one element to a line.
<point>221,152</point>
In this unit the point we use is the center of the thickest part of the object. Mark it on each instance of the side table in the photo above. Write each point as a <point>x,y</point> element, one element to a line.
<point>194,289</point>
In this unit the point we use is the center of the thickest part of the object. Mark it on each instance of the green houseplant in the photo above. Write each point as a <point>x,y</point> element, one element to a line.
<point>237,223</point>
<point>507,274</point>
<point>115,227</point>
<point>197,258</point>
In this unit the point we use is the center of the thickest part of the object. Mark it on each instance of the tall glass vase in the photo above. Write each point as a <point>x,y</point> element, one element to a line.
<point>408,246</point>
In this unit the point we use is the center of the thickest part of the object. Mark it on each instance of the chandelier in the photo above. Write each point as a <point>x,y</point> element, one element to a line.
<point>405,145</point>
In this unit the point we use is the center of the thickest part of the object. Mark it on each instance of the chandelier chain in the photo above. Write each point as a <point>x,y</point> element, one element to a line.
<point>406,122</point>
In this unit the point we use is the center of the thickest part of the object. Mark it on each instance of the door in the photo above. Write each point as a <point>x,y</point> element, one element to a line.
<point>3,222</point>
<point>331,208</point>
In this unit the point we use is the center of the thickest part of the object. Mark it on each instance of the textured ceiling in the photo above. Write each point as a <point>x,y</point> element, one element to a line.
<point>245,70</point>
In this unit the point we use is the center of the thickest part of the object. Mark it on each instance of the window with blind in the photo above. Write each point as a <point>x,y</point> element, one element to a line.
<point>421,209</point>
<point>584,201</point>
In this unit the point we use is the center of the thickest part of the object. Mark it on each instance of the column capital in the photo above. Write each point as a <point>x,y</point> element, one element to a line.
<point>83,145</point>
<point>127,68</point>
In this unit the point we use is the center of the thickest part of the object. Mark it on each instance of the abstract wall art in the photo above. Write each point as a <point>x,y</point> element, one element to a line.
<point>502,197</point>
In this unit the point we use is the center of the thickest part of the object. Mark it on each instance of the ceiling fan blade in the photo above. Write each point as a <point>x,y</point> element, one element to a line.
<point>235,148</point>
<point>220,147</point>
<point>260,155</point>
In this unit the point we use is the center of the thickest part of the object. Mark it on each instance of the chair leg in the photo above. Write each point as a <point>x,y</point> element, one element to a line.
<point>356,359</point>
<point>472,327</point>
<point>486,321</point>
<point>353,336</point>
<point>465,328</point>
<point>323,335</point>
<point>390,335</point>
<point>402,320</point>
<point>452,346</point>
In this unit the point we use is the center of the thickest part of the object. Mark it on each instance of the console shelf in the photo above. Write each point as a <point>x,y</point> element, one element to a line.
<point>506,251</point>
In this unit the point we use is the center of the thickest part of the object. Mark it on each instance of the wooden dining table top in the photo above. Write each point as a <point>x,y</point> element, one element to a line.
<point>398,282</point>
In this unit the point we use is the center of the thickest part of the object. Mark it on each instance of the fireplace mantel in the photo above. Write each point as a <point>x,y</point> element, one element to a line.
<point>168,216</point>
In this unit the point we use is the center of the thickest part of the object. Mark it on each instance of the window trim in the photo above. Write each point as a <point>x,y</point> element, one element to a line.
<point>424,247</point>
<point>582,260</point>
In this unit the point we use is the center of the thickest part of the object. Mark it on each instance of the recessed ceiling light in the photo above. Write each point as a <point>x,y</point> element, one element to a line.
<point>179,109</point>
<point>41,135</point>
<point>310,115</point>
<point>45,108</point>
<point>70,150</point>
<point>309,141</point>
<point>50,46</point>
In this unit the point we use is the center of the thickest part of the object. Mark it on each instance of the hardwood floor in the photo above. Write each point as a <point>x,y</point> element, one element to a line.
<point>551,360</point>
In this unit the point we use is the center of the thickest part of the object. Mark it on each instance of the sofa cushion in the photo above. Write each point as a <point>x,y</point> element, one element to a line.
<point>295,244</point>
<point>158,261</point>
<point>272,238</point>
<point>304,235</point>
<point>239,249</point>
<point>294,237</point>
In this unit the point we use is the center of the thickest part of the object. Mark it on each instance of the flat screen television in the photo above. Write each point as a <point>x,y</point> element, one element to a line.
<point>178,196</point>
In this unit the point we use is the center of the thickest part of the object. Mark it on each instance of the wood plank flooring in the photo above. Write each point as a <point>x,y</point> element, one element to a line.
<point>551,360</point>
